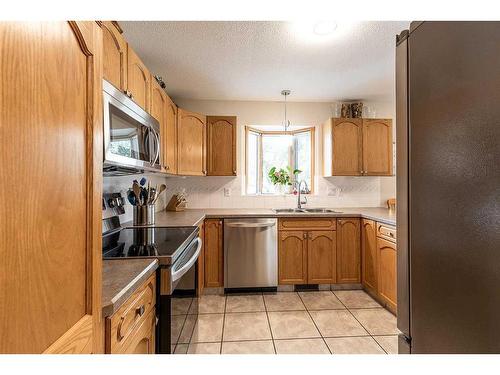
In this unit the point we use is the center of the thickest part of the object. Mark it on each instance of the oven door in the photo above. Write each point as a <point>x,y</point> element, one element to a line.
<point>131,135</point>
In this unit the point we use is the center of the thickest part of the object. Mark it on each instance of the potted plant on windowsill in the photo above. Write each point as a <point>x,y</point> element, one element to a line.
<point>283,179</point>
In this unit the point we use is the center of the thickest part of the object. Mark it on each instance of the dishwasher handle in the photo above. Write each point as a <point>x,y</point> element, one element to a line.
<point>251,225</point>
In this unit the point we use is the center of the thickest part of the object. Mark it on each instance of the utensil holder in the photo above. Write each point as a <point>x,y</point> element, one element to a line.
<point>144,215</point>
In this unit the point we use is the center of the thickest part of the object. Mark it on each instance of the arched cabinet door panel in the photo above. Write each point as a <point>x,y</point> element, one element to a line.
<point>321,257</point>
<point>191,143</point>
<point>348,251</point>
<point>138,80</point>
<point>369,255</point>
<point>51,142</point>
<point>292,257</point>
<point>114,55</point>
<point>377,147</point>
<point>169,138</point>
<point>347,153</point>
<point>221,145</point>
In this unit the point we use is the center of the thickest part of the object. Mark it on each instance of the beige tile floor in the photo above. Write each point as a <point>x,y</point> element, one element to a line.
<point>315,322</point>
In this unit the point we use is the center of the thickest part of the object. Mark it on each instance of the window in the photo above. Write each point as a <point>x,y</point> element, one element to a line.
<point>266,149</point>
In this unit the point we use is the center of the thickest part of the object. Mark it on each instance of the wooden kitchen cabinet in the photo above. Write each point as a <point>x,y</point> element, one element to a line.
<point>292,257</point>
<point>369,263</point>
<point>221,145</point>
<point>214,253</point>
<point>138,80</point>
<point>377,147</point>
<point>387,273</point>
<point>191,143</point>
<point>357,147</point>
<point>169,138</point>
<point>51,142</point>
<point>321,257</point>
<point>114,55</point>
<point>131,328</point>
<point>348,251</point>
<point>158,109</point>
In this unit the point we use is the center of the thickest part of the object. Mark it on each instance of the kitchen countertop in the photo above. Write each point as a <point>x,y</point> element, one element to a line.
<point>191,217</point>
<point>120,278</point>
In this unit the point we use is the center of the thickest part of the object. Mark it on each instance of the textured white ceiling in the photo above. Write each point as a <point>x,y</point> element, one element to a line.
<point>256,60</point>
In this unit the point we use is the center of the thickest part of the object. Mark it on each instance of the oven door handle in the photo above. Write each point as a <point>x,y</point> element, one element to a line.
<point>181,271</point>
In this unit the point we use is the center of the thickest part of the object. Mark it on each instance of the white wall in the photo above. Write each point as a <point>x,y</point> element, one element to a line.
<point>208,192</point>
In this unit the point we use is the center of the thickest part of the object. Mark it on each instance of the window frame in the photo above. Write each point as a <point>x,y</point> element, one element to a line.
<point>249,129</point>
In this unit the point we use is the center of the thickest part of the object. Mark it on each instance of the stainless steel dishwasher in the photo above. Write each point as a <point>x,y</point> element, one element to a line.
<point>250,253</point>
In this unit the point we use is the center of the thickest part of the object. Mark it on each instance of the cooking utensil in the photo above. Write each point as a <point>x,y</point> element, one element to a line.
<point>131,197</point>
<point>162,188</point>
<point>137,191</point>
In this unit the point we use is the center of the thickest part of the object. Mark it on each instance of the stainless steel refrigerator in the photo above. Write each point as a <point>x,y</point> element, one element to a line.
<point>448,187</point>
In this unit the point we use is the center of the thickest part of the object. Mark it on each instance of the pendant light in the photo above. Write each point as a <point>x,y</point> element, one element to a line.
<point>286,124</point>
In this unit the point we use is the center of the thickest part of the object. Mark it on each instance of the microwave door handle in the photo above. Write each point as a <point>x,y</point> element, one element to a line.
<point>181,271</point>
<point>157,156</point>
<point>147,143</point>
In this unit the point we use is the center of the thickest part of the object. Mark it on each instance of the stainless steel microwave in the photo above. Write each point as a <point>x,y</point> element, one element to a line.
<point>131,135</point>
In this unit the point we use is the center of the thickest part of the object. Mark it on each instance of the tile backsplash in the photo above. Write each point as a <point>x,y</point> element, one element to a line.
<point>209,192</point>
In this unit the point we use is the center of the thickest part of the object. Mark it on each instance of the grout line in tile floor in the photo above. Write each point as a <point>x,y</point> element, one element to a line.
<point>223,324</point>
<point>269,324</point>
<point>354,316</point>
<point>317,328</point>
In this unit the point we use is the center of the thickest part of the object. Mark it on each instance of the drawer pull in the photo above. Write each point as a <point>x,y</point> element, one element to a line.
<point>140,310</point>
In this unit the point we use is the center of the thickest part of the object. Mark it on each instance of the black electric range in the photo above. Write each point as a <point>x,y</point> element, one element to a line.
<point>164,243</point>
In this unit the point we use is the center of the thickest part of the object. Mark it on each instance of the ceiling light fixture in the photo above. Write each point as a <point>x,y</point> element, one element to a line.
<point>286,124</point>
<point>324,27</point>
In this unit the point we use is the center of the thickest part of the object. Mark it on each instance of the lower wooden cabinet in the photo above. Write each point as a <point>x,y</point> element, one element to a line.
<point>131,329</point>
<point>369,263</point>
<point>292,257</point>
<point>306,257</point>
<point>214,253</point>
<point>143,339</point>
<point>387,273</point>
<point>348,251</point>
<point>321,257</point>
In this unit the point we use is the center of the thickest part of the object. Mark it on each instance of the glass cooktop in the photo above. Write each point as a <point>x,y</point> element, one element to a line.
<point>164,243</point>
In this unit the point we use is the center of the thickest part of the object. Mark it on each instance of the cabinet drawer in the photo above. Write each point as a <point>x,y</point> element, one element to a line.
<point>386,231</point>
<point>130,316</point>
<point>327,223</point>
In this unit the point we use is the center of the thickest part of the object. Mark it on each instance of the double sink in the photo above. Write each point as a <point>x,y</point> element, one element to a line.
<point>305,210</point>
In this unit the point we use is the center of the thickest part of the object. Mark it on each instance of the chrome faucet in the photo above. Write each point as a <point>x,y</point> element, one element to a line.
<point>299,200</point>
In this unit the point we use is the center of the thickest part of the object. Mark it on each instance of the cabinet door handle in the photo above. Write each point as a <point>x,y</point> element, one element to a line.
<point>304,235</point>
<point>140,310</point>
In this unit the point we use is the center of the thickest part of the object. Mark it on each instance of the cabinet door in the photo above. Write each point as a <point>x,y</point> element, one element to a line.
<point>377,147</point>
<point>170,138</point>
<point>347,145</point>
<point>292,257</point>
<point>348,251</point>
<point>221,145</point>
<point>159,111</point>
<point>191,143</point>
<point>138,80</point>
<point>321,257</point>
<point>52,147</point>
<point>143,339</point>
<point>387,278</point>
<point>214,253</point>
<point>369,255</point>
<point>114,56</point>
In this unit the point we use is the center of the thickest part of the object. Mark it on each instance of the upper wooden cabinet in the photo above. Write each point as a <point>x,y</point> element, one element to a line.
<point>50,271</point>
<point>342,142</point>
<point>369,262</point>
<point>348,251</point>
<point>377,147</point>
<point>292,257</point>
<point>221,145</point>
<point>357,147</point>
<point>114,56</point>
<point>138,80</point>
<point>191,143</point>
<point>214,253</point>
<point>169,138</point>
